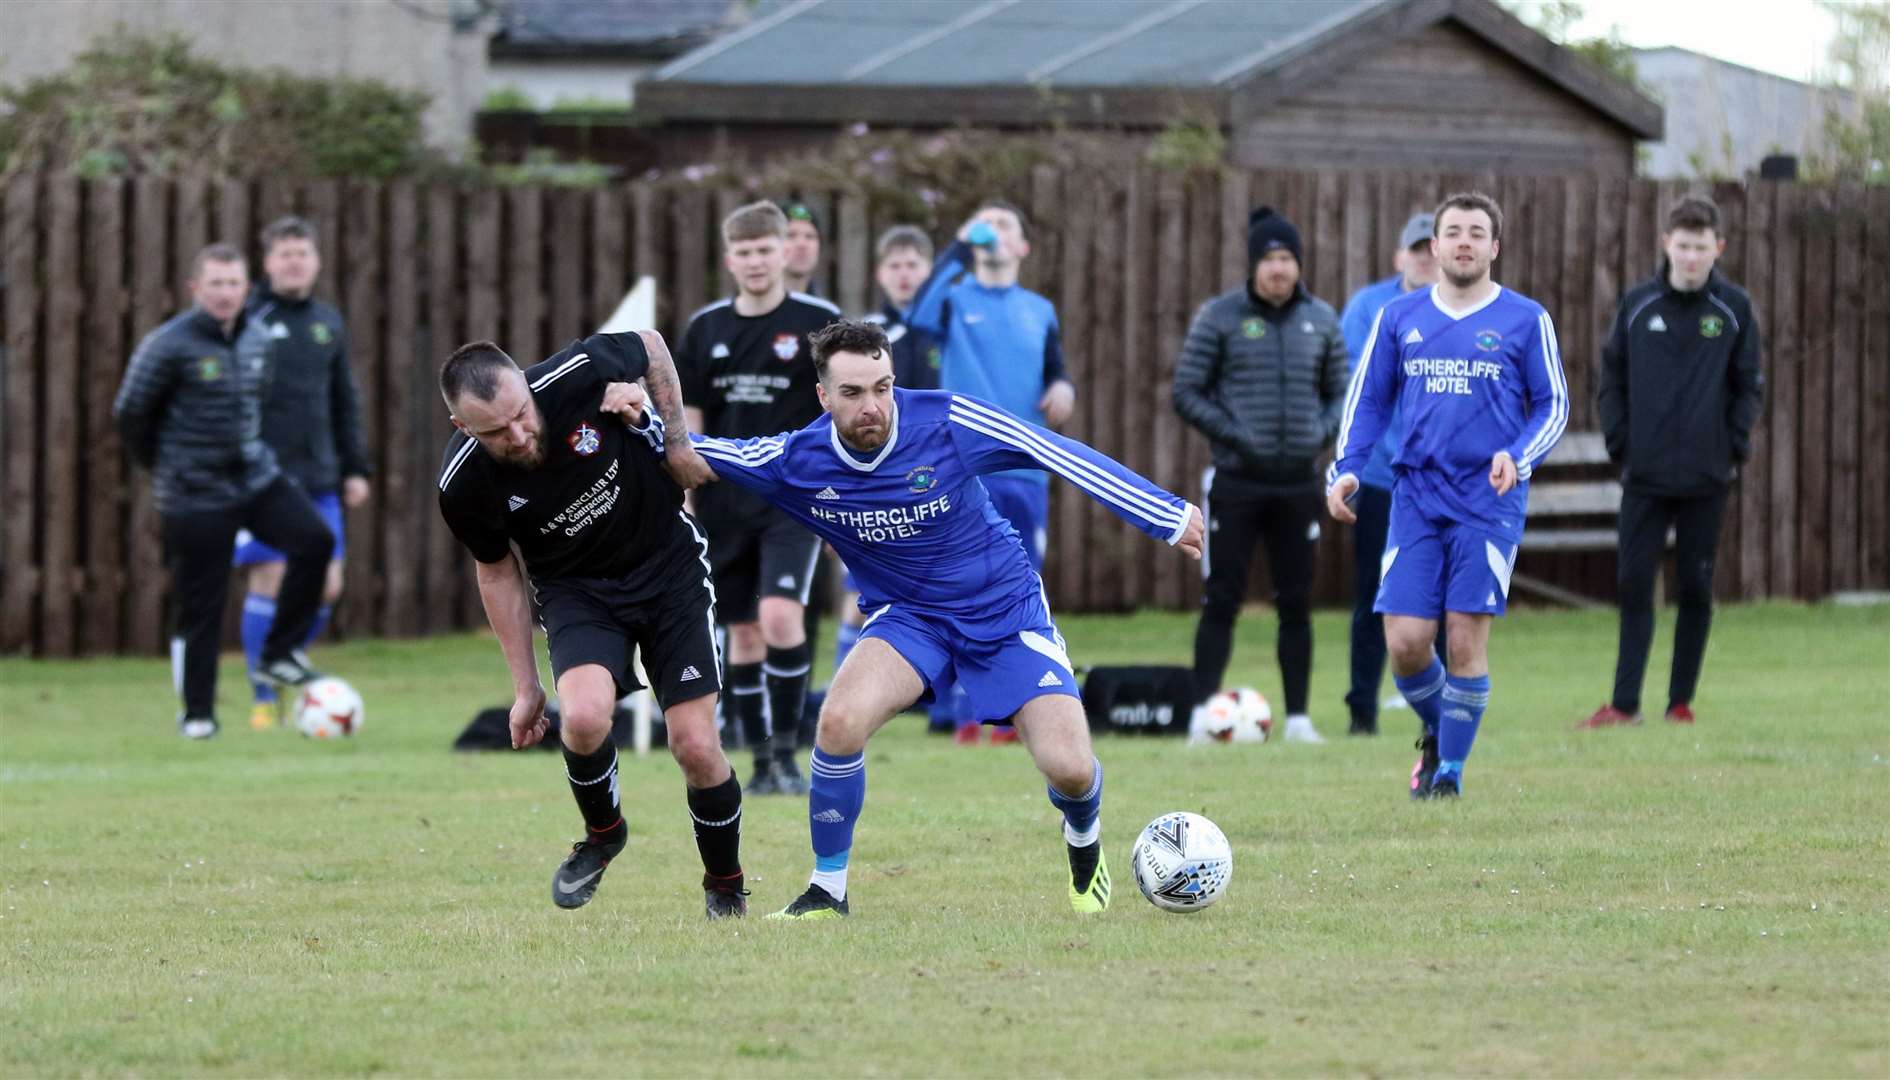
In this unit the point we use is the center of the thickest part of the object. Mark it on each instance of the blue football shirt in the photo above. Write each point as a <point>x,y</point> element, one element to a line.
<point>1469,383</point>
<point>913,522</point>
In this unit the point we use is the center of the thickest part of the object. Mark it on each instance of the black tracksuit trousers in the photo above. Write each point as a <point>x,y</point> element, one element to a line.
<point>1643,525</point>
<point>197,548</point>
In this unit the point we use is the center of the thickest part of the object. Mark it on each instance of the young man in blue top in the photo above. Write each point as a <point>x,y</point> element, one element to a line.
<point>892,479</point>
<point>1477,373</point>
<point>1415,268</point>
<point>1001,343</point>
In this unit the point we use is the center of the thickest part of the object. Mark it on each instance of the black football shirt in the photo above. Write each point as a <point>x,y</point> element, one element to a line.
<point>598,506</point>
<point>753,375</point>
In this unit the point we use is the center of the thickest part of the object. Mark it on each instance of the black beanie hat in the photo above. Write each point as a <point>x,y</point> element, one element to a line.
<point>1268,229</point>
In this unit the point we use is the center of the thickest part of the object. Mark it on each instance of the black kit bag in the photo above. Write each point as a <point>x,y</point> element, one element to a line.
<point>1146,700</point>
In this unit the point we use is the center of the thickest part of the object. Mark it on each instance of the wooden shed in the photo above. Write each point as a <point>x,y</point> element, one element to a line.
<point>1433,84</point>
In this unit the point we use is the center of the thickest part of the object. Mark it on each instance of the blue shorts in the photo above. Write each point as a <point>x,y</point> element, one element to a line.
<point>250,551</point>
<point>1024,502</point>
<point>1435,564</point>
<point>999,677</point>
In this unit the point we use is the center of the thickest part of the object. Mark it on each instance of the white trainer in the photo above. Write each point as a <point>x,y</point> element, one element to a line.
<point>1299,729</point>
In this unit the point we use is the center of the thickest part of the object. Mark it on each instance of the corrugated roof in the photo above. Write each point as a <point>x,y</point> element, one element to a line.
<point>947,43</point>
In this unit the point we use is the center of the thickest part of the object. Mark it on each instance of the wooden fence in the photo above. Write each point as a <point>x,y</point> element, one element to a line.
<point>87,267</point>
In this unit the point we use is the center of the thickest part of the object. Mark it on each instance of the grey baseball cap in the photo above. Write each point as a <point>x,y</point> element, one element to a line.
<point>1418,229</point>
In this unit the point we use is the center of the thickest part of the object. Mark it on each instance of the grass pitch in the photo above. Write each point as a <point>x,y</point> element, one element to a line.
<point>1705,901</point>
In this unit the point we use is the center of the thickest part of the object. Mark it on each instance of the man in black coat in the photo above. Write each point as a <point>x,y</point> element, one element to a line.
<point>1681,387</point>
<point>1263,374</point>
<point>312,420</point>
<point>190,410</point>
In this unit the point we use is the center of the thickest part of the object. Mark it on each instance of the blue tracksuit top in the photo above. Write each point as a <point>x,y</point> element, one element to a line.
<point>1356,325</point>
<point>1003,346</point>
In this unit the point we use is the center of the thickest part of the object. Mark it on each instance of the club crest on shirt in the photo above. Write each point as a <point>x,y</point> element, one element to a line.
<point>1489,340</point>
<point>1253,328</point>
<point>584,440</point>
<point>321,333</point>
<point>1711,325</point>
<point>209,369</point>
<point>787,347</point>
<point>923,478</point>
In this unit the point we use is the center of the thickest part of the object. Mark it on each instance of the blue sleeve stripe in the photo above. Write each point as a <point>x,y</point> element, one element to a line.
<point>753,455</point>
<point>1353,392</point>
<point>1114,495</point>
<point>1037,446</point>
<point>1545,439</point>
<point>1100,483</point>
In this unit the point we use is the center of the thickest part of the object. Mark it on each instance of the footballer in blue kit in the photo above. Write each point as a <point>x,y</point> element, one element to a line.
<point>1477,375</point>
<point>891,479</point>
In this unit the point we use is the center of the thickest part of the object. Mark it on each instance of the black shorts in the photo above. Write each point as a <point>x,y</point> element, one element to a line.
<point>757,554</point>
<point>666,610</point>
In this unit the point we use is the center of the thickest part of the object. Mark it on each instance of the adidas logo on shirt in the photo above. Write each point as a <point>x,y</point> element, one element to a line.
<point>1050,678</point>
<point>1657,324</point>
<point>1414,338</point>
<point>827,493</point>
<point>514,503</point>
<point>690,673</point>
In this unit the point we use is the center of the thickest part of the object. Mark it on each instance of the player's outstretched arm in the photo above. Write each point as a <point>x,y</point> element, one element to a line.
<point>509,609</point>
<point>684,465</point>
<point>991,440</point>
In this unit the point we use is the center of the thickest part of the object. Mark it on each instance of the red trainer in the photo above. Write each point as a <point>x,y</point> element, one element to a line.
<point>1003,735</point>
<point>1679,714</point>
<point>1608,716</point>
<point>967,735</point>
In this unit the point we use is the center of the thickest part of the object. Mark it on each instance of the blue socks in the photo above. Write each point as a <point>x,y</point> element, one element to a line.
<point>1082,814</point>
<point>321,623</point>
<point>258,612</point>
<point>1422,692</point>
<point>837,792</point>
<point>843,645</point>
<point>1464,702</point>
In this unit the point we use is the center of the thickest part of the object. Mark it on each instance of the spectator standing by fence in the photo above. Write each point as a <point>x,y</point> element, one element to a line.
<point>747,370</point>
<point>1416,268</point>
<point>190,410</point>
<point>1262,374</point>
<point>802,247</point>
<point>1002,343</point>
<point>312,420</point>
<point>1681,387</point>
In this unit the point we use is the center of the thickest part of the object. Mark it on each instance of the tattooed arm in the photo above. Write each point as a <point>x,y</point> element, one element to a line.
<point>685,466</point>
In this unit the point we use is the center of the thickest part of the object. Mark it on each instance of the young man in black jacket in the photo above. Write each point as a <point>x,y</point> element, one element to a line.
<point>1681,388</point>
<point>1263,375</point>
<point>312,419</point>
<point>190,410</point>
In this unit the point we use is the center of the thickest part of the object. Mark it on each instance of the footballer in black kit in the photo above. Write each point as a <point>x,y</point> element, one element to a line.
<point>547,469</point>
<point>753,375</point>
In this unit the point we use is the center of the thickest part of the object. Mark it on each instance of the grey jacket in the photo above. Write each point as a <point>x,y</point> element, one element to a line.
<point>1267,395</point>
<point>190,410</point>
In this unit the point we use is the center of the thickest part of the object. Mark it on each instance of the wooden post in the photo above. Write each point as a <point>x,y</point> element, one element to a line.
<point>18,629</point>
